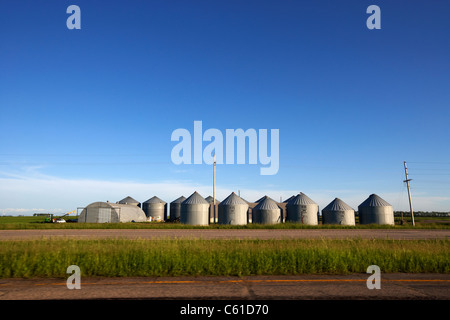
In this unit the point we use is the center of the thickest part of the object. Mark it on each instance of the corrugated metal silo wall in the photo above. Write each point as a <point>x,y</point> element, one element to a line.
<point>344,217</point>
<point>233,214</point>
<point>376,215</point>
<point>195,214</point>
<point>254,204</point>
<point>306,214</point>
<point>175,210</point>
<point>267,216</point>
<point>155,210</point>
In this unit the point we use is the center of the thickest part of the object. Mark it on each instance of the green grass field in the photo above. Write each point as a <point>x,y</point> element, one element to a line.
<point>121,258</point>
<point>30,222</point>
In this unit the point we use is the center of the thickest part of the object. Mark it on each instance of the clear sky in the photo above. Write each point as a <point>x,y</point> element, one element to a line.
<point>87,115</point>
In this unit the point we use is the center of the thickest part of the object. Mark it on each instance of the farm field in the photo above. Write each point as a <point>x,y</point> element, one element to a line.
<point>31,222</point>
<point>127,255</point>
<point>30,248</point>
<point>196,257</point>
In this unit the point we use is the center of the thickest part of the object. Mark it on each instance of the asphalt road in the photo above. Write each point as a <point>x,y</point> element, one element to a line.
<point>393,286</point>
<point>405,234</point>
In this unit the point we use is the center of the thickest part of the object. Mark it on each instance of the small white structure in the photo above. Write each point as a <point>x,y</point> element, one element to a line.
<point>107,212</point>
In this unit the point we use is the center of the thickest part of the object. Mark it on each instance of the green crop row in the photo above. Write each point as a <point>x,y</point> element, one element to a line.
<point>8,223</point>
<point>120,258</point>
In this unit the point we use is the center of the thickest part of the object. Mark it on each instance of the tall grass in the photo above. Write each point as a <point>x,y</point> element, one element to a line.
<point>120,258</point>
<point>6,225</point>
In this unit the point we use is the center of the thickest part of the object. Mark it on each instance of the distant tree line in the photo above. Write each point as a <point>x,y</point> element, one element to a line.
<point>423,213</point>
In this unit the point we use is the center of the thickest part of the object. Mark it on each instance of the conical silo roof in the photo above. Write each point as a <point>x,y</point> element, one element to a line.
<point>195,198</point>
<point>128,200</point>
<point>288,199</point>
<point>300,200</point>
<point>337,205</point>
<point>210,199</point>
<point>179,200</point>
<point>155,199</point>
<point>260,199</point>
<point>374,201</point>
<point>233,199</point>
<point>266,204</point>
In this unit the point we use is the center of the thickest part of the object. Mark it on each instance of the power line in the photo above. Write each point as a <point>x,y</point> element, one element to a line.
<point>430,162</point>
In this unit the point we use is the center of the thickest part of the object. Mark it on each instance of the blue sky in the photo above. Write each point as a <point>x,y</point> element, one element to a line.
<point>87,115</point>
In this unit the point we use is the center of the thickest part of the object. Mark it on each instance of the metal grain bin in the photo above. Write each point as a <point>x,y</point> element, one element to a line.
<point>233,210</point>
<point>375,210</point>
<point>130,200</point>
<point>260,199</point>
<point>195,210</point>
<point>175,208</point>
<point>210,199</point>
<point>302,209</point>
<point>212,212</point>
<point>338,212</point>
<point>289,199</point>
<point>155,209</point>
<point>266,211</point>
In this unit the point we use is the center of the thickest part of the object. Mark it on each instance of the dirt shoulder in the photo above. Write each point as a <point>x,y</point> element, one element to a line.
<point>405,234</point>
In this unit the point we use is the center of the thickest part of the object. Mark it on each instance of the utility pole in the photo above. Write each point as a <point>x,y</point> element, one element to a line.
<point>214,189</point>
<point>409,193</point>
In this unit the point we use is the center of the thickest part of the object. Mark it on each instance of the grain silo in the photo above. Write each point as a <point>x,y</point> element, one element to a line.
<point>107,212</point>
<point>375,210</point>
<point>233,210</point>
<point>155,209</point>
<point>129,200</point>
<point>289,199</point>
<point>260,199</point>
<point>249,210</point>
<point>266,211</point>
<point>302,209</point>
<point>212,211</point>
<point>175,208</point>
<point>338,212</point>
<point>195,210</point>
<point>210,199</point>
